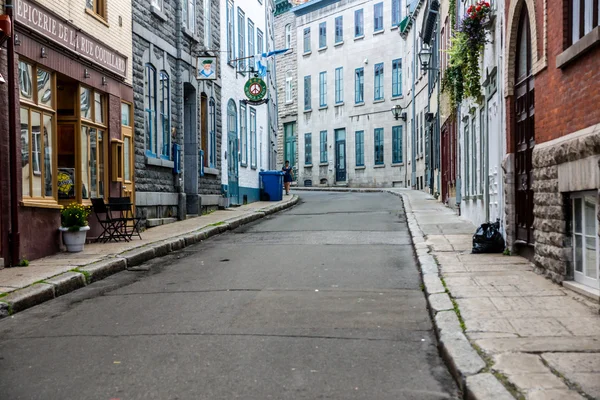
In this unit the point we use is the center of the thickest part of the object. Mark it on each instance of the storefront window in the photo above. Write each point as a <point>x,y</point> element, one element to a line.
<point>86,103</point>
<point>37,138</point>
<point>99,108</point>
<point>92,143</point>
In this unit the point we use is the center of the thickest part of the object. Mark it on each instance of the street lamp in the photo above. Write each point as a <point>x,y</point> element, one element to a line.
<point>425,56</point>
<point>397,112</point>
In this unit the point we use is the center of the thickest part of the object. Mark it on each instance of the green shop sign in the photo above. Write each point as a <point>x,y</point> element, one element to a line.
<point>255,89</point>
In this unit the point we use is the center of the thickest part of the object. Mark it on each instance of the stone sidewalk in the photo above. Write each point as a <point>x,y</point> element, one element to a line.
<point>540,340</point>
<point>53,276</point>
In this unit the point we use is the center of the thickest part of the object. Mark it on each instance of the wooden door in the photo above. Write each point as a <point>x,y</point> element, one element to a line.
<point>524,133</point>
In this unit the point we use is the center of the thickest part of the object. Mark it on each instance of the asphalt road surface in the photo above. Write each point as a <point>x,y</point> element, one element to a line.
<point>322,301</point>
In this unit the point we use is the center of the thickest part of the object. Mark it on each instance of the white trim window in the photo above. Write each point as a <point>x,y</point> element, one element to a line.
<point>207,27</point>
<point>158,4</point>
<point>289,82</point>
<point>585,238</point>
<point>288,36</point>
<point>189,15</point>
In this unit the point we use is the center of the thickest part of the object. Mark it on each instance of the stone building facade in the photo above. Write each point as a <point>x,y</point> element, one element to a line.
<point>552,170</point>
<point>287,77</point>
<point>177,117</point>
<point>349,79</point>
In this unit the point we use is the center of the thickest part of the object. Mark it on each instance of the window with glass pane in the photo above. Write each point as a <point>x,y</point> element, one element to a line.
<point>323,89</point>
<point>288,36</point>
<point>253,146</point>
<point>360,148</point>
<point>127,157</point>
<point>359,29</point>
<point>230,32</point>
<point>86,103</point>
<point>307,148</point>
<point>339,85</point>
<point>251,43</point>
<point>207,30</point>
<point>25,81</point>
<point>125,114</point>
<point>44,88</point>
<point>241,39</point>
<point>259,42</point>
<point>306,40</point>
<point>322,35</point>
<point>396,12</point>
<point>288,86</point>
<point>165,114</point>
<point>583,18</point>
<point>397,144</point>
<point>359,85</point>
<point>98,7</point>
<point>47,143</point>
<point>397,77</point>
<point>378,146</point>
<point>212,116</point>
<point>378,17</point>
<point>92,162</point>
<point>307,93</point>
<point>189,14</point>
<point>243,135</point>
<point>323,147</point>
<point>585,238</point>
<point>339,29</point>
<point>150,116</point>
<point>378,89</point>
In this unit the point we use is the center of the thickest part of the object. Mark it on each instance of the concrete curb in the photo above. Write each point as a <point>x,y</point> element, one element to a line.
<point>67,282</point>
<point>463,361</point>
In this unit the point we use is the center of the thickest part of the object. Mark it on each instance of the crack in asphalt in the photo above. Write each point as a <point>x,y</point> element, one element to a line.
<point>328,290</point>
<point>214,334</point>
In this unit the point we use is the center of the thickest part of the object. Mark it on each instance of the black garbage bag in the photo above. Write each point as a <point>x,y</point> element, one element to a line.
<point>488,239</point>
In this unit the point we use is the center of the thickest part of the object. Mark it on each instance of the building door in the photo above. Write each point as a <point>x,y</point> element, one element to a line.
<point>525,133</point>
<point>289,150</point>
<point>128,153</point>
<point>232,154</point>
<point>340,155</point>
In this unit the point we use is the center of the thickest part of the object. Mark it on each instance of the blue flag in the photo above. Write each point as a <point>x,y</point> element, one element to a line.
<point>261,60</point>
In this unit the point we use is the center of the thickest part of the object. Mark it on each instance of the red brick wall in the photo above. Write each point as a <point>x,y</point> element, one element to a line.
<point>566,99</point>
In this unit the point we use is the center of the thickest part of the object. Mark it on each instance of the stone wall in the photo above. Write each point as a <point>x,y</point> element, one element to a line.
<point>553,249</point>
<point>287,111</point>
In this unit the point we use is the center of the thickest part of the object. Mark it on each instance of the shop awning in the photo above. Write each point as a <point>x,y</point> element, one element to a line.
<point>5,28</point>
<point>405,24</point>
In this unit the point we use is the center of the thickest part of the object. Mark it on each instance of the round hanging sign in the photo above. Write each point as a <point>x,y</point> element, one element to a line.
<point>255,89</point>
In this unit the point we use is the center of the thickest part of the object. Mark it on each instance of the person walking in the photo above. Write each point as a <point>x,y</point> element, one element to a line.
<point>288,177</point>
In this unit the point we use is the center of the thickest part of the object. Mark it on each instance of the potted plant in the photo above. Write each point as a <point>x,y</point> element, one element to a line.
<point>74,226</point>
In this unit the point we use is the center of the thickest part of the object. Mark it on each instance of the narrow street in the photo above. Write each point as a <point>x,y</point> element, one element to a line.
<point>323,301</point>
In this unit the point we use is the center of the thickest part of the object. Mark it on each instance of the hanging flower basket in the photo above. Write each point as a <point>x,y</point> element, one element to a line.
<point>463,76</point>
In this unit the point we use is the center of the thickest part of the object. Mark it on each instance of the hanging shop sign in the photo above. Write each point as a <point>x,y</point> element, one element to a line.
<point>52,27</point>
<point>207,68</point>
<point>255,103</point>
<point>255,89</point>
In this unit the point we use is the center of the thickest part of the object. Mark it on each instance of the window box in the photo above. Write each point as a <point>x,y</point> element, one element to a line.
<point>158,13</point>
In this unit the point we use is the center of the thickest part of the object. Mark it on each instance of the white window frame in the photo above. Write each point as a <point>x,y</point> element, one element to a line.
<point>288,36</point>
<point>289,82</point>
<point>189,13</point>
<point>207,27</point>
<point>581,277</point>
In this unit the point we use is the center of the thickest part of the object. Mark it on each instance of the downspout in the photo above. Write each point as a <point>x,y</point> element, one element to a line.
<point>412,127</point>
<point>15,235</point>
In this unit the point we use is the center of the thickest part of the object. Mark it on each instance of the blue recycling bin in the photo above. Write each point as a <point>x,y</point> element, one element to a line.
<point>272,185</point>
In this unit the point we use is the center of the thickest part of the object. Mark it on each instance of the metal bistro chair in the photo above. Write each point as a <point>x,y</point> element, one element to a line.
<point>110,225</point>
<point>129,224</point>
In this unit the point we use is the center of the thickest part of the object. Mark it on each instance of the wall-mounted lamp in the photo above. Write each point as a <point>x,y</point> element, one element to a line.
<point>43,53</point>
<point>104,83</point>
<point>17,40</point>
<point>86,73</point>
<point>397,113</point>
<point>425,57</point>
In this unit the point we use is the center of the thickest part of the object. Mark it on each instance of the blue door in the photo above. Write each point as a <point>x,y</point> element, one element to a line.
<point>233,188</point>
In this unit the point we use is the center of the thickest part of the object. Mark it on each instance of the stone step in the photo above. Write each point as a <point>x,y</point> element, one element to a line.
<point>152,222</point>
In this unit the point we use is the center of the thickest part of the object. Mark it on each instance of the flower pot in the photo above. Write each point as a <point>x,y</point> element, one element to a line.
<point>74,240</point>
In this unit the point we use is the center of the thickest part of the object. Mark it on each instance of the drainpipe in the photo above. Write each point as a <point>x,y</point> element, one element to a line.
<point>412,128</point>
<point>15,236</point>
